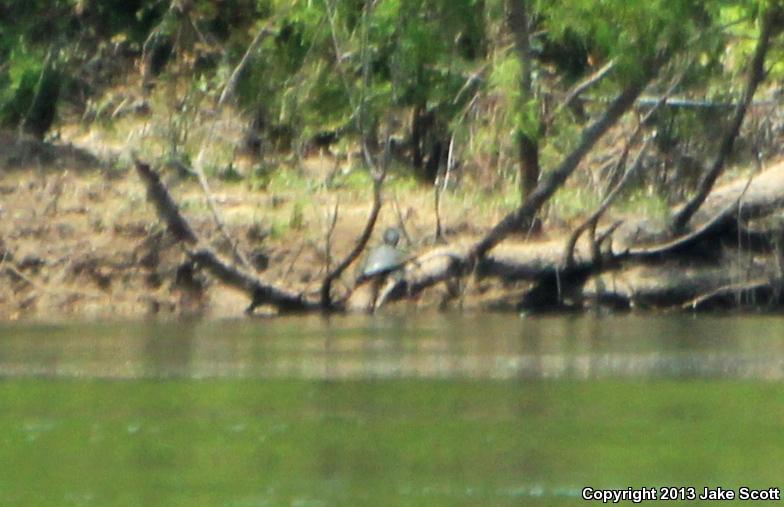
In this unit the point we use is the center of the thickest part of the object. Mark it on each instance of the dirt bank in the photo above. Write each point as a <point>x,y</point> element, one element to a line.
<point>79,240</point>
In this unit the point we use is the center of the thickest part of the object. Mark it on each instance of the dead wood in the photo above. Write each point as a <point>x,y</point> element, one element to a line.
<point>467,261</point>
<point>755,77</point>
<point>260,293</point>
<point>733,295</point>
<point>435,266</point>
<point>359,246</point>
<point>553,180</point>
<point>541,262</point>
<point>165,205</point>
<point>592,221</point>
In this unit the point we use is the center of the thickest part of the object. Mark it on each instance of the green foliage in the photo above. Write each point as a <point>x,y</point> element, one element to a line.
<point>19,85</point>
<point>360,68</point>
<point>632,33</point>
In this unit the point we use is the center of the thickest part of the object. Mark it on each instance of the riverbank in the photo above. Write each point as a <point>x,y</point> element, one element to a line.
<point>78,238</point>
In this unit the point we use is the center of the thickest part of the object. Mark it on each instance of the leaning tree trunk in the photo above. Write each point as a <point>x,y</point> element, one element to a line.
<point>756,75</point>
<point>553,181</point>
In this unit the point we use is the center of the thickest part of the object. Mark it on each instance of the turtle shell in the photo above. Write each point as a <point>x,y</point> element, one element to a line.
<point>382,260</point>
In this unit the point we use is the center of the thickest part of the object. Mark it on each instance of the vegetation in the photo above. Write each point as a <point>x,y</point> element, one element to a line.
<point>496,94</point>
<point>475,83</point>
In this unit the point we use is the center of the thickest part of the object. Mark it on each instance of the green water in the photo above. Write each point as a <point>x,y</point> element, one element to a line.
<point>431,411</point>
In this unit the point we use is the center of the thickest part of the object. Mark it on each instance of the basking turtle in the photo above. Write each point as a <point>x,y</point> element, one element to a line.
<point>384,259</point>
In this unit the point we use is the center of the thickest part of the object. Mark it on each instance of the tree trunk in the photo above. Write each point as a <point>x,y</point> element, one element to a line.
<point>529,164</point>
<point>418,134</point>
<point>553,180</point>
<point>756,75</point>
<point>527,142</point>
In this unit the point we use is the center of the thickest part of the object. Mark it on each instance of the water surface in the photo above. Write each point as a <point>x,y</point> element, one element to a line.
<point>399,410</point>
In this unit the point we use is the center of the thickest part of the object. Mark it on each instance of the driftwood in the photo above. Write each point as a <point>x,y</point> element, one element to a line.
<point>689,268</point>
<point>700,251</point>
<point>443,264</point>
<point>696,270</point>
<point>260,292</point>
<point>165,205</point>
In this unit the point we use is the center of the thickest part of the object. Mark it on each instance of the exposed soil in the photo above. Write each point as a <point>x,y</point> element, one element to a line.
<point>79,240</point>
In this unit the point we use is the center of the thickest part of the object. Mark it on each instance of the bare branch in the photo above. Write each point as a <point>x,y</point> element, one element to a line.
<point>574,93</point>
<point>165,205</point>
<point>755,77</point>
<point>553,180</point>
<point>231,84</point>
<point>333,222</point>
<point>326,286</point>
<point>260,293</point>
<point>239,257</point>
<point>401,223</point>
<point>593,220</point>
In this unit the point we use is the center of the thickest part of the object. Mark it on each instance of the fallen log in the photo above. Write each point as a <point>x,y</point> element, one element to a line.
<point>543,263</point>
<point>259,292</point>
<point>667,272</point>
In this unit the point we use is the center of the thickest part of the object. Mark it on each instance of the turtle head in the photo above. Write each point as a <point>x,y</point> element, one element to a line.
<point>391,236</point>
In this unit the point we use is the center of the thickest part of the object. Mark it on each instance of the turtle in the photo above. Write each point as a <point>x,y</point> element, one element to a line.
<point>384,259</point>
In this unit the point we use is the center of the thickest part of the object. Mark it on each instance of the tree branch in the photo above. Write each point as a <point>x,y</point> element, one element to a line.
<point>326,286</point>
<point>553,180</point>
<point>231,84</point>
<point>755,77</point>
<point>593,220</point>
<point>260,293</point>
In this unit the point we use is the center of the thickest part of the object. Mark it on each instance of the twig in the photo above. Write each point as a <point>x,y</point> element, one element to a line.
<point>239,257</point>
<point>726,290</point>
<point>579,88</point>
<point>592,221</point>
<point>231,84</point>
<point>401,223</point>
<point>294,260</point>
<point>330,231</point>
